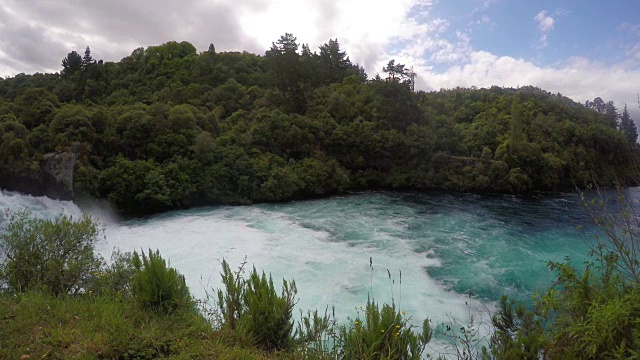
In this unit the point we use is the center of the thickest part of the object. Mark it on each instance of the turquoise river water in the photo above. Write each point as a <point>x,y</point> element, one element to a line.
<point>458,253</point>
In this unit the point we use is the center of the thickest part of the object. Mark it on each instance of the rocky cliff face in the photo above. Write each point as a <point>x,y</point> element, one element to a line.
<point>57,171</point>
<point>55,178</point>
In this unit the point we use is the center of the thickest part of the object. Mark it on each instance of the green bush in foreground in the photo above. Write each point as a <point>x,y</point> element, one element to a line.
<point>230,301</point>
<point>57,256</point>
<point>268,316</point>
<point>253,308</point>
<point>381,333</point>
<point>115,279</point>
<point>156,286</point>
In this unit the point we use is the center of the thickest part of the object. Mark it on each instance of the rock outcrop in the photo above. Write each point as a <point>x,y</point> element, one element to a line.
<point>57,172</point>
<point>54,180</point>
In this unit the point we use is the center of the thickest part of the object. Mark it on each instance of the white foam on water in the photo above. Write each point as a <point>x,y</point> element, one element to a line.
<point>328,270</point>
<point>38,205</point>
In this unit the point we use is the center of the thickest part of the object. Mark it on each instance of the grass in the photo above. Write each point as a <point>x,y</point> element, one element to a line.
<point>101,327</point>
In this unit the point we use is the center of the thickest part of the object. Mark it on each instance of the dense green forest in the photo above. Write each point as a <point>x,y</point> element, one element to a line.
<point>168,127</point>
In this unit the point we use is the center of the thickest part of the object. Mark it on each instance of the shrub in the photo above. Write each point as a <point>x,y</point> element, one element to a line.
<point>253,308</point>
<point>230,301</point>
<point>56,256</point>
<point>518,333</point>
<point>381,334</point>
<point>156,286</point>
<point>114,279</point>
<point>316,334</point>
<point>268,317</point>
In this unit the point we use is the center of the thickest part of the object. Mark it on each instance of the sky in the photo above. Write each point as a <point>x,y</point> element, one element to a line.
<point>580,48</point>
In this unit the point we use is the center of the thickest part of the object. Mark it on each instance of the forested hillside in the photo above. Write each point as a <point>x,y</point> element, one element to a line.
<point>168,127</point>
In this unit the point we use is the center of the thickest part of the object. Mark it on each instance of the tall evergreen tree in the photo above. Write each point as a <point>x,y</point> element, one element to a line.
<point>335,63</point>
<point>309,67</point>
<point>612,114</point>
<point>87,59</point>
<point>71,64</point>
<point>628,127</point>
<point>283,60</point>
<point>396,71</point>
<point>285,45</point>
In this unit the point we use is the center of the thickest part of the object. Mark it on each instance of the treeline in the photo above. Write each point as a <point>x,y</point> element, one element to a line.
<point>168,127</point>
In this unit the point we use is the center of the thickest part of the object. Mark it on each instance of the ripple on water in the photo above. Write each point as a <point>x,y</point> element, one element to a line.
<point>446,245</point>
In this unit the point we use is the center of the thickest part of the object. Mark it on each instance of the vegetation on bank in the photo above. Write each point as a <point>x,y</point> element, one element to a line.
<point>168,127</point>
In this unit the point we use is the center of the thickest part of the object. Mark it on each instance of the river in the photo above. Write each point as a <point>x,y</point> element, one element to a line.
<point>458,253</point>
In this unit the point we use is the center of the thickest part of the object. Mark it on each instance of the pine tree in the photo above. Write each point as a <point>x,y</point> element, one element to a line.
<point>628,127</point>
<point>612,114</point>
<point>396,72</point>
<point>87,60</point>
<point>283,60</point>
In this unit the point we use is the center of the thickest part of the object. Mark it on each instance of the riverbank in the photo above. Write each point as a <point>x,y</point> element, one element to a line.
<point>39,326</point>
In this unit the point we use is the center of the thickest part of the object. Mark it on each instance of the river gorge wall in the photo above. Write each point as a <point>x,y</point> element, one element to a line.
<point>52,176</point>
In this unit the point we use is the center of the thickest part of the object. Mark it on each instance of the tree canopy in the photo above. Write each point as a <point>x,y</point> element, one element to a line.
<point>168,127</point>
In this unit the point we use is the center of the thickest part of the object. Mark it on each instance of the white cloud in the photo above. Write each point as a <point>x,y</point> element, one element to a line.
<point>483,5</point>
<point>634,51</point>
<point>630,28</point>
<point>484,20</point>
<point>37,34</point>
<point>545,25</point>
<point>363,30</point>
<point>577,78</point>
<point>545,22</point>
